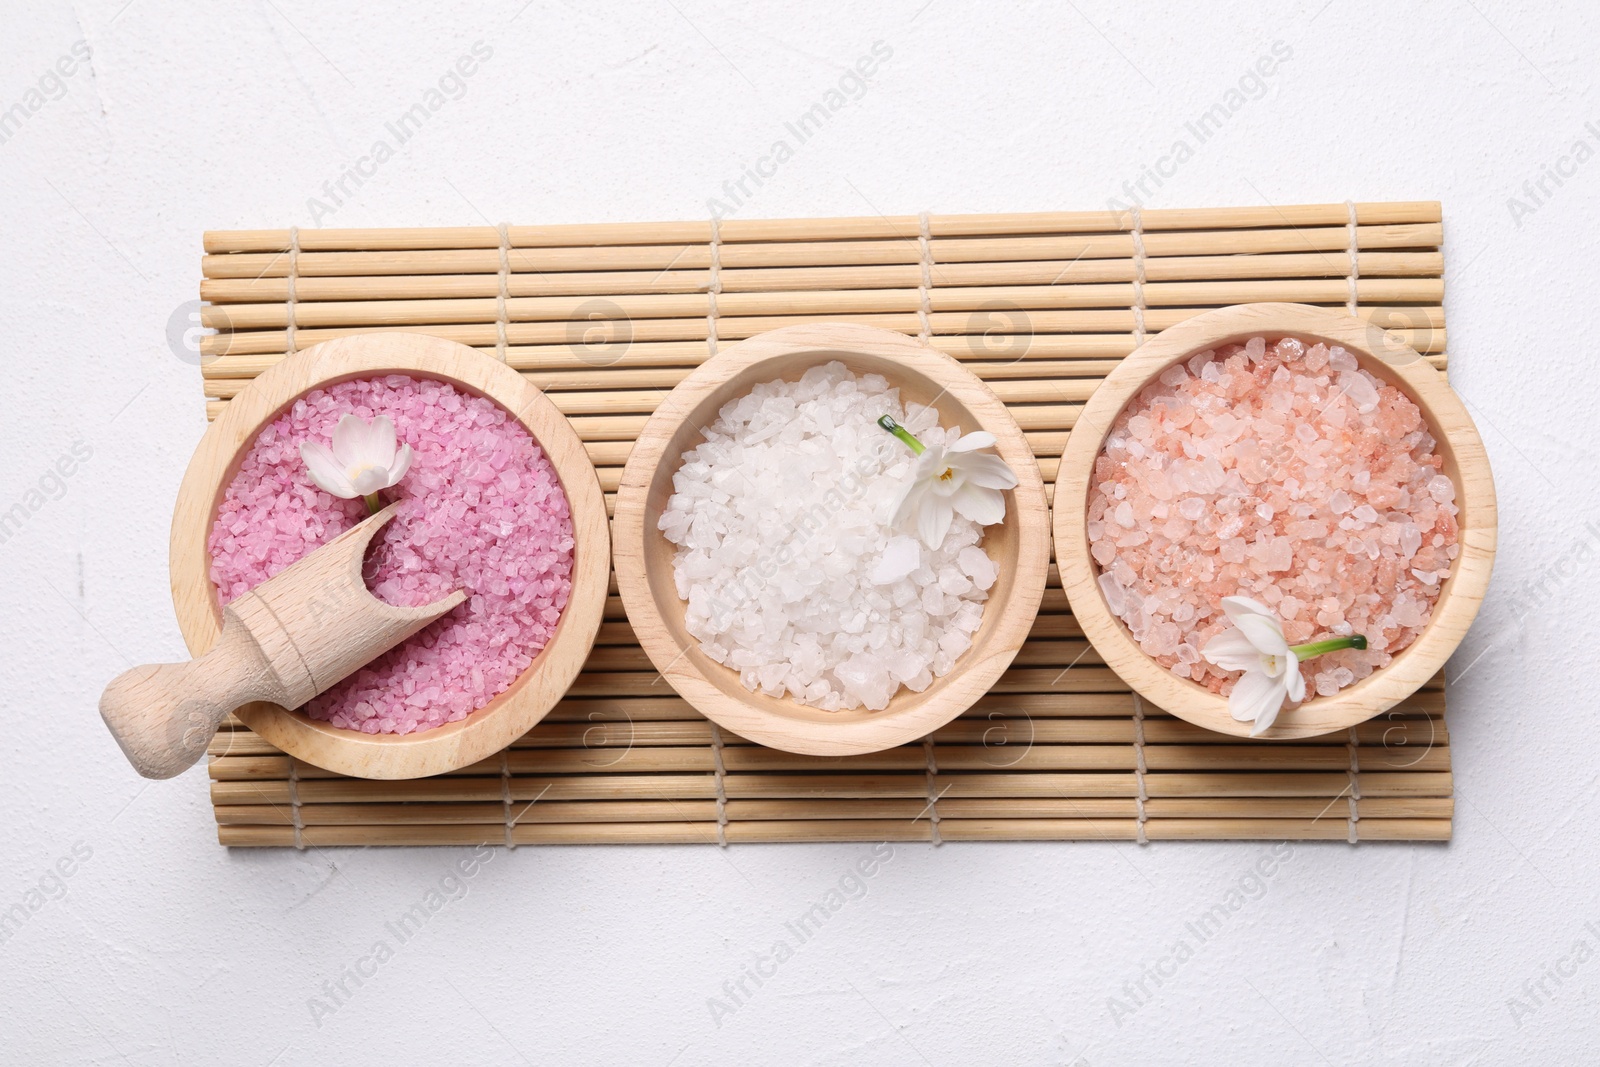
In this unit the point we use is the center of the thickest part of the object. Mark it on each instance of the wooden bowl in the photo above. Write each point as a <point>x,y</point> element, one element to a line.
<point>1020,544</point>
<point>1386,358</point>
<point>506,717</point>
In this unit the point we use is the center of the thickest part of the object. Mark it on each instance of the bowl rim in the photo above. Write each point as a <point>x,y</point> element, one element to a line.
<point>874,731</point>
<point>510,714</point>
<point>1387,356</point>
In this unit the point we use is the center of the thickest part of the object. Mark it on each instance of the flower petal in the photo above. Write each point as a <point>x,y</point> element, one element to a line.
<point>401,464</point>
<point>369,480</point>
<point>975,440</point>
<point>1296,680</point>
<point>1255,695</point>
<point>906,504</point>
<point>1237,606</point>
<point>1264,632</point>
<point>381,443</point>
<point>1265,720</point>
<point>929,463</point>
<point>1232,651</point>
<point>933,521</point>
<point>350,441</point>
<point>991,472</point>
<point>325,471</point>
<point>983,506</point>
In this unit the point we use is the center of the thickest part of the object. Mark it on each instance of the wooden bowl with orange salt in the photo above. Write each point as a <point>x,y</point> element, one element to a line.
<point>1166,665</point>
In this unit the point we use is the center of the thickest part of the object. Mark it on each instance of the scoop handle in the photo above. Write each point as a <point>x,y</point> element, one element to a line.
<point>293,636</point>
<point>164,715</point>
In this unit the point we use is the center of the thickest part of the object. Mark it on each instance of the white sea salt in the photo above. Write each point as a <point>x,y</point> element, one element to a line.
<point>792,574</point>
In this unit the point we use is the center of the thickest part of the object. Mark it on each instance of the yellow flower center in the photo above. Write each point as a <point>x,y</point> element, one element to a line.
<point>949,472</point>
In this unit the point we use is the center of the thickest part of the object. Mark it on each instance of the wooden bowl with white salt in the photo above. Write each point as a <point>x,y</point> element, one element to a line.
<point>1019,544</point>
<point>491,727</point>
<point>1394,363</point>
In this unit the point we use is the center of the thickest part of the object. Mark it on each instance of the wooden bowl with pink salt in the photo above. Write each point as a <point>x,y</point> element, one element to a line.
<point>499,500</point>
<point>1294,455</point>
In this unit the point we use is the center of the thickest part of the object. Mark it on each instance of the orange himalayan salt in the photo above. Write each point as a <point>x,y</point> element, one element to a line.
<point>1275,469</point>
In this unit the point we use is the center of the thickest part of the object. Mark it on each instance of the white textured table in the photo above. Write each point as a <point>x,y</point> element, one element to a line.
<point>128,936</point>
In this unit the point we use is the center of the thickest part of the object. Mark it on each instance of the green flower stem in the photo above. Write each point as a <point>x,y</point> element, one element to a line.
<point>1333,644</point>
<point>916,446</point>
<point>374,505</point>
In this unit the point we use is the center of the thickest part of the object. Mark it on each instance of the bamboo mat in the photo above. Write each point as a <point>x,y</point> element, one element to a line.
<point>607,318</point>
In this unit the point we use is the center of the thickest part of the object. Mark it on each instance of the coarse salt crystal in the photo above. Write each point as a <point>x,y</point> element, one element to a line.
<point>900,557</point>
<point>1116,597</point>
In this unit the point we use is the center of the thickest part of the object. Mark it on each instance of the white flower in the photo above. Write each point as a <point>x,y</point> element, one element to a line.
<point>363,460</point>
<point>1256,645</point>
<point>958,480</point>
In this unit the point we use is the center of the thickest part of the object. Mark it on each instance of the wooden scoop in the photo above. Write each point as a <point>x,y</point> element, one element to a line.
<point>288,639</point>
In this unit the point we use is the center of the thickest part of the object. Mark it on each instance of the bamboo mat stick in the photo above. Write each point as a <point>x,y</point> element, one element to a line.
<point>228,290</point>
<point>679,833</point>
<point>951,758</point>
<point>997,348</point>
<point>741,230</point>
<point>1194,830</point>
<point>994,722</point>
<point>1019,393</point>
<point>1071,757</point>
<point>644,401</point>
<point>605,354</point>
<point>998,375</point>
<point>1000,723</point>
<point>1009,738</point>
<point>864,830</point>
<point>337,790</point>
<point>1018,385</point>
<point>1087,370</point>
<point>1333,240</point>
<point>1421,327</point>
<point>481,814</point>
<point>611,732</point>
<point>610,760</point>
<point>493,813</point>
<point>988,298</point>
<point>1000,782</point>
<point>1239,808</point>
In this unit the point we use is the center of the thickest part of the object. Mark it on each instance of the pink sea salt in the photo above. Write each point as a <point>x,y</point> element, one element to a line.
<point>1277,470</point>
<point>481,509</point>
